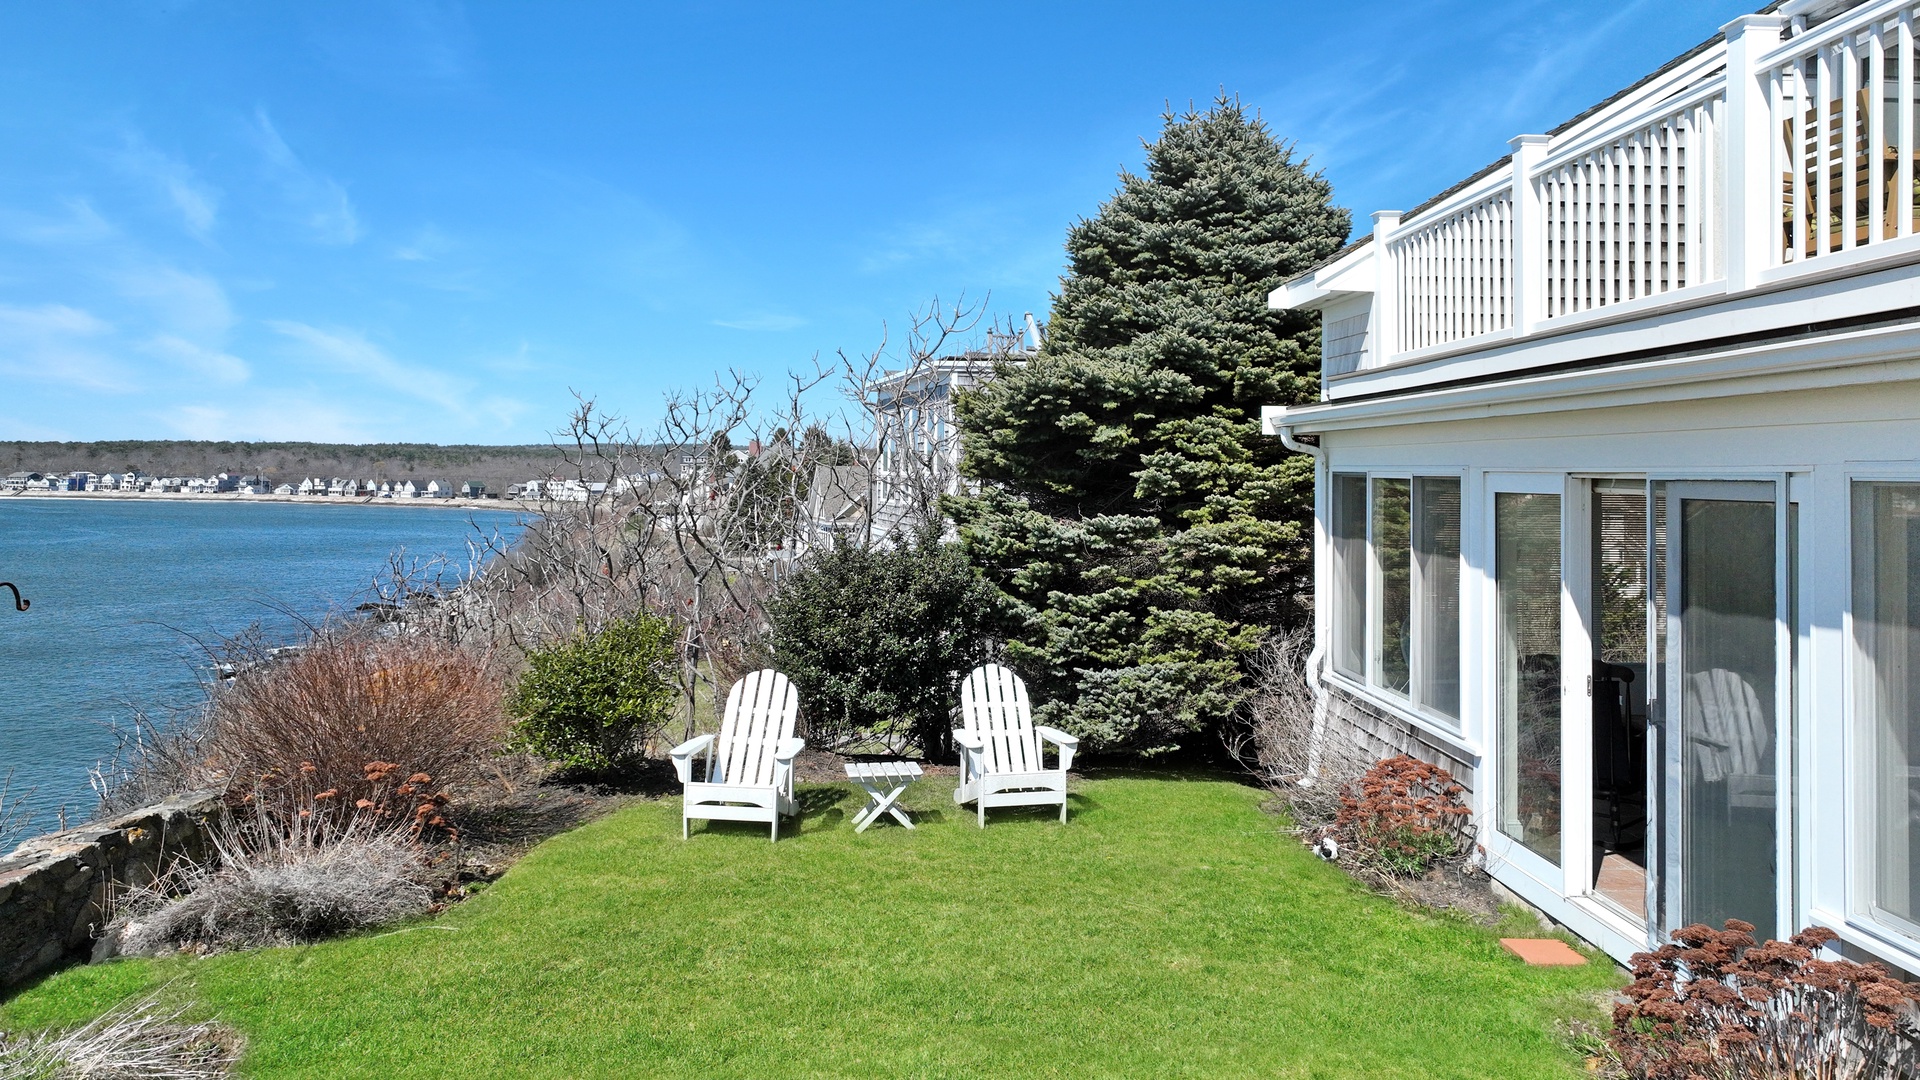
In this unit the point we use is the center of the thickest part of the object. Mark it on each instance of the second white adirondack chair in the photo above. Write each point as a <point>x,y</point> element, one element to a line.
<point>1000,761</point>
<point>749,774</point>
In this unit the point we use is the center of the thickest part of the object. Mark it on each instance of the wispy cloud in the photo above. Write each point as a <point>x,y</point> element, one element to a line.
<point>198,359</point>
<point>79,223</point>
<point>349,353</point>
<point>408,45</point>
<point>763,322</point>
<point>197,203</point>
<point>318,200</point>
<point>276,415</point>
<point>55,343</point>
<point>181,302</point>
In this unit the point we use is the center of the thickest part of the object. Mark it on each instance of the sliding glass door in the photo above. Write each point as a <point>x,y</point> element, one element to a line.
<point>1726,649</point>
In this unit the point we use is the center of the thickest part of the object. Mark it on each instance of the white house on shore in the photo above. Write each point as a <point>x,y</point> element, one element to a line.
<point>1618,491</point>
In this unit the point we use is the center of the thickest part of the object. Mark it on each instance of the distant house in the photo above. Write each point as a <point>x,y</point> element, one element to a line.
<point>437,490</point>
<point>284,489</point>
<point>19,481</point>
<point>473,489</point>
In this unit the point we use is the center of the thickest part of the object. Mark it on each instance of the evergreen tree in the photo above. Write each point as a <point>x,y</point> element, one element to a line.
<point>1139,530</point>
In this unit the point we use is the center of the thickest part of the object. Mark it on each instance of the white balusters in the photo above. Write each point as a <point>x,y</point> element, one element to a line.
<point>1455,274</point>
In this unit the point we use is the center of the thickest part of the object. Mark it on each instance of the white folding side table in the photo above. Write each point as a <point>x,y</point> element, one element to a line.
<point>885,782</point>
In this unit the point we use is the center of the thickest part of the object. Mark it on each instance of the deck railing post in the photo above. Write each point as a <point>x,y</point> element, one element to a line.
<point>1749,175</point>
<point>1529,236</point>
<point>1385,321</point>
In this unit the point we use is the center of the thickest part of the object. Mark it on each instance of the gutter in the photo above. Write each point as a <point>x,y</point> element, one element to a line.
<point>1273,420</point>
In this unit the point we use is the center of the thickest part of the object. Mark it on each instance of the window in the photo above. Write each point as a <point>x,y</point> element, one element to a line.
<point>1886,624</point>
<point>1436,558</point>
<point>1393,547</point>
<point>1349,574</point>
<point>1398,629</point>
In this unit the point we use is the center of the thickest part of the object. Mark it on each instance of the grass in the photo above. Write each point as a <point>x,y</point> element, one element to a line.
<point>1171,929</point>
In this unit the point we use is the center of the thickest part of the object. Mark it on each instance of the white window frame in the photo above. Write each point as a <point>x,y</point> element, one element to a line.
<point>1505,852</point>
<point>1406,706</point>
<point>1858,750</point>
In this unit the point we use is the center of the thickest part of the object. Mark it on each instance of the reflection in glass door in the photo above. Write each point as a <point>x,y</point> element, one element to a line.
<point>1527,583</point>
<point>1722,671</point>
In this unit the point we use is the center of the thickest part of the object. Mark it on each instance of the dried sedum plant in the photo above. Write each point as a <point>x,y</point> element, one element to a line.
<point>1718,1005</point>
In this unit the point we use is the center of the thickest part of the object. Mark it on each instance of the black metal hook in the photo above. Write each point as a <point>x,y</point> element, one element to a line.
<point>20,603</point>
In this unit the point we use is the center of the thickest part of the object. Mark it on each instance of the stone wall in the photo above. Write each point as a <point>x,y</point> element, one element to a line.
<point>55,889</point>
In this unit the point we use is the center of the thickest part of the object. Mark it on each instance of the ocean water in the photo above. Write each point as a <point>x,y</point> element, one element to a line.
<point>124,592</point>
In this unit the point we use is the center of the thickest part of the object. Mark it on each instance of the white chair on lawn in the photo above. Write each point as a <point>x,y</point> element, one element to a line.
<point>749,773</point>
<point>1000,748</point>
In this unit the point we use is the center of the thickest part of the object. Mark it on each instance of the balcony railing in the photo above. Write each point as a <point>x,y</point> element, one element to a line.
<point>1843,113</point>
<point>1782,146</point>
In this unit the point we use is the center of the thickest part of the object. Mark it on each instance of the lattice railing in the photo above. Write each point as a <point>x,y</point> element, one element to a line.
<point>1630,217</point>
<point>1456,274</point>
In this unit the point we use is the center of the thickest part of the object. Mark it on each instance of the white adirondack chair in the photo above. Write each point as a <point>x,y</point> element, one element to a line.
<point>749,773</point>
<point>1000,748</point>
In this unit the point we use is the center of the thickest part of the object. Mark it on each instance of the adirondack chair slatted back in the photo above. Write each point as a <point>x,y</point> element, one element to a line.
<point>993,703</point>
<point>761,710</point>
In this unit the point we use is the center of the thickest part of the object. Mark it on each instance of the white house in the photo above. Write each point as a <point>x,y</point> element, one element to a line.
<point>1618,493</point>
<point>437,490</point>
<point>916,437</point>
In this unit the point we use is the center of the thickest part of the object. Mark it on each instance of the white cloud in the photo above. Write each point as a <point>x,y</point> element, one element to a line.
<point>282,415</point>
<point>763,322</point>
<point>54,343</point>
<point>216,365</point>
<point>318,200</point>
<point>345,352</point>
<point>81,224</point>
<point>184,303</point>
<point>197,204</point>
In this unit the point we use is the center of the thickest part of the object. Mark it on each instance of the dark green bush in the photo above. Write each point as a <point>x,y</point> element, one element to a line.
<point>878,640</point>
<point>593,700</point>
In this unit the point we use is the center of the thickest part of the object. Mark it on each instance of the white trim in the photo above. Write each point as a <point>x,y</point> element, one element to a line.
<point>1878,354</point>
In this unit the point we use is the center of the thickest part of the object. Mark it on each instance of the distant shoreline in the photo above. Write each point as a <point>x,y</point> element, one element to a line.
<point>302,500</point>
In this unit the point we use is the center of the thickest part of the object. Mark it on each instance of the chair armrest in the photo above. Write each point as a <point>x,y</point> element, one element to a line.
<point>788,749</point>
<point>1067,743</point>
<point>970,740</point>
<point>683,755</point>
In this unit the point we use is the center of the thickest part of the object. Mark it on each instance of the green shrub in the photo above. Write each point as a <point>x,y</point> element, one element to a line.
<point>878,640</point>
<point>593,700</point>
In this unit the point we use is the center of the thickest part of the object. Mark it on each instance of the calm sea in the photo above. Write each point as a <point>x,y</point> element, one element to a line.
<point>122,590</point>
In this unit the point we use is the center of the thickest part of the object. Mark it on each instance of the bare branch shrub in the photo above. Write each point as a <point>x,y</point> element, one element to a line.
<point>1293,743</point>
<point>154,759</point>
<point>16,813</point>
<point>285,873</point>
<point>354,696</point>
<point>144,1039</point>
<point>700,518</point>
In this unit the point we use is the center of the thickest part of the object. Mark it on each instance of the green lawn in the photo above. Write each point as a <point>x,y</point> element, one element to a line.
<point>1171,929</point>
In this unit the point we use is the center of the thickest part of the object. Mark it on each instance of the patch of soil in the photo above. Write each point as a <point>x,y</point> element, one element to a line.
<point>1462,889</point>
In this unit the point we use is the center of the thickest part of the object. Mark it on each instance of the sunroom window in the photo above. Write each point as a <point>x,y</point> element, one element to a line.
<point>1396,587</point>
<point>1349,530</point>
<point>1886,622</point>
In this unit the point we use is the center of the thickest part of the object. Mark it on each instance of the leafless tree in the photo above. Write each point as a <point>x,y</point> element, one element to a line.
<point>699,518</point>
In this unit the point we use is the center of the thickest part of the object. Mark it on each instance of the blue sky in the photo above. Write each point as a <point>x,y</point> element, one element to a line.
<point>424,221</point>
